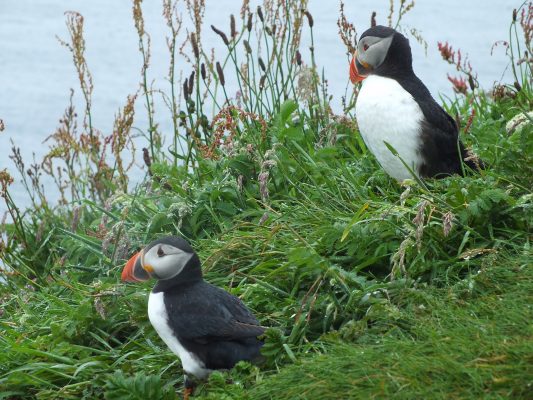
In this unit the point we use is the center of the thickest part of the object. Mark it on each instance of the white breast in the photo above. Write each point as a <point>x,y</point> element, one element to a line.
<point>159,319</point>
<point>386,112</point>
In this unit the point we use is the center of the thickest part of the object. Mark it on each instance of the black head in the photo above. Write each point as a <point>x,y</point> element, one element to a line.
<point>167,259</point>
<point>382,51</point>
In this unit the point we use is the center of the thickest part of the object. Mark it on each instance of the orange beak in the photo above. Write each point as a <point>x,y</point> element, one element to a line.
<point>354,73</point>
<point>133,270</point>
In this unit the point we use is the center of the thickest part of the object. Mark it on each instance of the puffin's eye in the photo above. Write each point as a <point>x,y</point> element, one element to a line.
<point>160,252</point>
<point>365,47</point>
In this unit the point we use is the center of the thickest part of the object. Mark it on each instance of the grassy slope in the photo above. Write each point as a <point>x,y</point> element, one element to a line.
<point>451,343</point>
<point>455,323</point>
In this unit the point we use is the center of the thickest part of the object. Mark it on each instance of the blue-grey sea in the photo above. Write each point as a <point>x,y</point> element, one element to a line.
<point>36,72</point>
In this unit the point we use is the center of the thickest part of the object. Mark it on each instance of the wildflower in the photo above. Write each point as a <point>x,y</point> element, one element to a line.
<point>2,126</point>
<point>260,14</point>
<point>470,120</point>
<point>373,19</point>
<point>461,65</point>
<point>446,51</point>
<point>5,180</point>
<point>526,22</point>
<point>138,17</point>
<point>459,84</point>
<point>347,31</point>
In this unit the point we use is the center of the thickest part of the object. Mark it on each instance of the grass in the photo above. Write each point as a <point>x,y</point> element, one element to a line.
<point>461,342</point>
<point>370,289</point>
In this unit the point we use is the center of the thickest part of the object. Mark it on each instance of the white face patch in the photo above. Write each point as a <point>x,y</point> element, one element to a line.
<point>165,260</point>
<point>372,50</point>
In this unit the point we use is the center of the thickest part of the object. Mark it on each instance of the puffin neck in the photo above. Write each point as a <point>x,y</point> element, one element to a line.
<point>191,273</point>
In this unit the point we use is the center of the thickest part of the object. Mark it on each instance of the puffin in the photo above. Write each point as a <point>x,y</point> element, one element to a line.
<point>206,327</point>
<point>402,125</point>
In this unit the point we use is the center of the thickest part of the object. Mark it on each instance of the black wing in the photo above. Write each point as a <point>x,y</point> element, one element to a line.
<point>442,150</point>
<point>205,313</point>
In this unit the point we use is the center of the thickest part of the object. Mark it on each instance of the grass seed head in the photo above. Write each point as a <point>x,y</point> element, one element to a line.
<point>233,29</point>
<point>249,24</point>
<point>190,86</point>
<point>202,71</point>
<point>220,73</point>
<point>221,34</point>
<point>298,58</point>
<point>262,64</point>
<point>263,185</point>
<point>447,223</point>
<point>310,20</point>
<point>194,44</point>
<point>247,46</point>
<point>418,220</point>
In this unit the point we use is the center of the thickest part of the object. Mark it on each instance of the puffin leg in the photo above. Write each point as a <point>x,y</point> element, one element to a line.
<point>188,387</point>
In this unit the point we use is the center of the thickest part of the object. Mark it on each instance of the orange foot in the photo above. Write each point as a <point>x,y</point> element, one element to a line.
<point>186,393</point>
